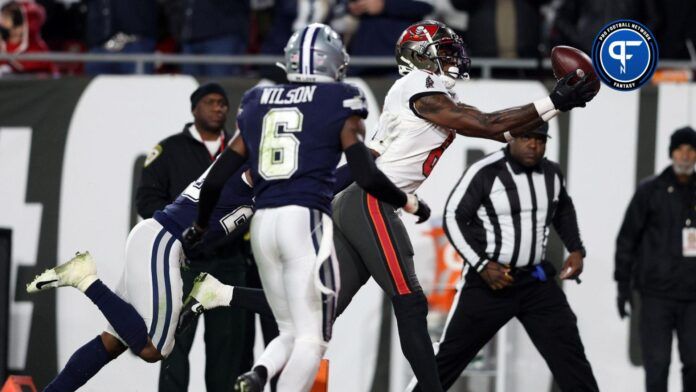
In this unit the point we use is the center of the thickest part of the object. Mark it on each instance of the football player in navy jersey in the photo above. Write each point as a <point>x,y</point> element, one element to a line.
<point>143,312</point>
<point>292,137</point>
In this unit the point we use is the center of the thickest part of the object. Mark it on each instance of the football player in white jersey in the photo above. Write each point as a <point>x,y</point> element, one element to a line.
<point>421,117</point>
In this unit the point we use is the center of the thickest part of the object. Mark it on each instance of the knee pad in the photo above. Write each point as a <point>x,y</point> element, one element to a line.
<point>410,305</point>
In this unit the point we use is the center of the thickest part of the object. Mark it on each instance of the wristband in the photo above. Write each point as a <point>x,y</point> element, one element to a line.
<point>411,205</point>
<point>550,114</point>
<point>543,106</point>
<point>508,137</point>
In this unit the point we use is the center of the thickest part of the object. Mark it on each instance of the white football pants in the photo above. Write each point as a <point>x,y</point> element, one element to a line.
<point>293,248</point>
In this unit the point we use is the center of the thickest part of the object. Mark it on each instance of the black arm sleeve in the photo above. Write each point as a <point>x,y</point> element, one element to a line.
<point>565,222</point>
<point>370,178</point>
<point>223,168</point>
<point>343,178</point>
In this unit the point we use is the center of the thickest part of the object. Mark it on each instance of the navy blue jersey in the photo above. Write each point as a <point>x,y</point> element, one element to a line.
<point>234,208</point>
<point>292,137</point>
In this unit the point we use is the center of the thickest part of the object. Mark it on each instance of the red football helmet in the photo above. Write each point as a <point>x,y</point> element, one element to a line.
<point>431,45</point>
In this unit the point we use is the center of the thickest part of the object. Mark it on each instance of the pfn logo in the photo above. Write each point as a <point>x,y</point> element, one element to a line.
<point>625,55</point>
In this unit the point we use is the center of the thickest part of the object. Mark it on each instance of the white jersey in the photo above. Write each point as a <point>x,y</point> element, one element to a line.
<point>409,145</point>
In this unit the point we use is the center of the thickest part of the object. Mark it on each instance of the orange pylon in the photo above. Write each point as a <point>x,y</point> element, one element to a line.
<point>321,381</point>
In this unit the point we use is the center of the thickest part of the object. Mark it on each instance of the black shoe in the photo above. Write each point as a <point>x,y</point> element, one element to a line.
<point>189,313</point>
<point>249,382</point>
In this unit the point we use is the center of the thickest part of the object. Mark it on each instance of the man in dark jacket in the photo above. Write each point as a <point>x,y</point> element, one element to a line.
<point>169,168</point>
<point>656,254</point>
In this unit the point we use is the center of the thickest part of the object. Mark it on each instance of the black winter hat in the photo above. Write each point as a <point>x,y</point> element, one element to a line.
<point>202,91</point>
<point>685,135</point>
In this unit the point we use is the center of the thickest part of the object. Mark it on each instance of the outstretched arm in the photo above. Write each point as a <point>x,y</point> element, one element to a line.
<point>469,121</point>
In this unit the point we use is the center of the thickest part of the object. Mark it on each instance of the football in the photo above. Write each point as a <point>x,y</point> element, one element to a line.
<point>565,59</point>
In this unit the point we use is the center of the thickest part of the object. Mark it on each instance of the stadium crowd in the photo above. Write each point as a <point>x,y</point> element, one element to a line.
<point>501,28</point>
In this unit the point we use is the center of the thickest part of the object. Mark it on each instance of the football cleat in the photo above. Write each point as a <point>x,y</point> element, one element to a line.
<point>207,293</point>
<point>189,312</point>
<point>249,382</point>
<point>78,272</point>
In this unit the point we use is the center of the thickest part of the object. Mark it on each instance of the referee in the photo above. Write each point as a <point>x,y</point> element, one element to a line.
<point>498,219</point>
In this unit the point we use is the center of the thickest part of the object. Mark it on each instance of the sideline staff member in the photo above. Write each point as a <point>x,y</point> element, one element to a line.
<point>498,218</point>
<point>656,251</point>
<point>173,164</point>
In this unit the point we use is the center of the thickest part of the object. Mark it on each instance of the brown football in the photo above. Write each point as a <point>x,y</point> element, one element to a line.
<point>565,59</point>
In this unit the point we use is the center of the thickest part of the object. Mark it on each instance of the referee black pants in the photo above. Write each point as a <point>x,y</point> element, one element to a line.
<point>479,312</point>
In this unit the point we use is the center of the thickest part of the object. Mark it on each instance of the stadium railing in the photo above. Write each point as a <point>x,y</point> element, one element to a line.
<point>486,65</point>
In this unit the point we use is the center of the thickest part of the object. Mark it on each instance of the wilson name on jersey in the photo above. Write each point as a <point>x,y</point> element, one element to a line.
<point>234,208</point>
<point>409,145</point>
<point>292,135</point>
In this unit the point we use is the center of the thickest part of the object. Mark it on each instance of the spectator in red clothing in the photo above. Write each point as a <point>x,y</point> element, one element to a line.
<point>20,32</point>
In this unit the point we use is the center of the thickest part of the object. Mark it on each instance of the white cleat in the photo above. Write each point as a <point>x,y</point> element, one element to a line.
<point>79,272</point>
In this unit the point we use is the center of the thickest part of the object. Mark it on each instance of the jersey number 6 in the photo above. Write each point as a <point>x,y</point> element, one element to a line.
<point>279,148</point>
<point>435,155</point>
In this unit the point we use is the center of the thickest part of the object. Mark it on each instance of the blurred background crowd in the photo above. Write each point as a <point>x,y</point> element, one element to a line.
<point>491,28</point>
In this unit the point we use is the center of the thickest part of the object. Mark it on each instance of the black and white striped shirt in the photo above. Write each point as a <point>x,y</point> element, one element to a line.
<point>501,211</point>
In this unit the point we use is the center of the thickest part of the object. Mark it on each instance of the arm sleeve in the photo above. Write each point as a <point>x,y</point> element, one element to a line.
<point>461,222</point>
<point>224,167</point>
<point>565,221</point>
<point>370,178</point>
<point>628,240</point>
<point>153,191</point>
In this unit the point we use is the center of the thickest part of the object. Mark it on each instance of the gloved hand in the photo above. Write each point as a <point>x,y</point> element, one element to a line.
<point>566,96</point>
<point>417,207</point>
<point>192,243</point>
<point>623,298</point>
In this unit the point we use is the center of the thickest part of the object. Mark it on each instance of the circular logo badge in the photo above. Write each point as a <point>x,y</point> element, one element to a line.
<point>624,54</point>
